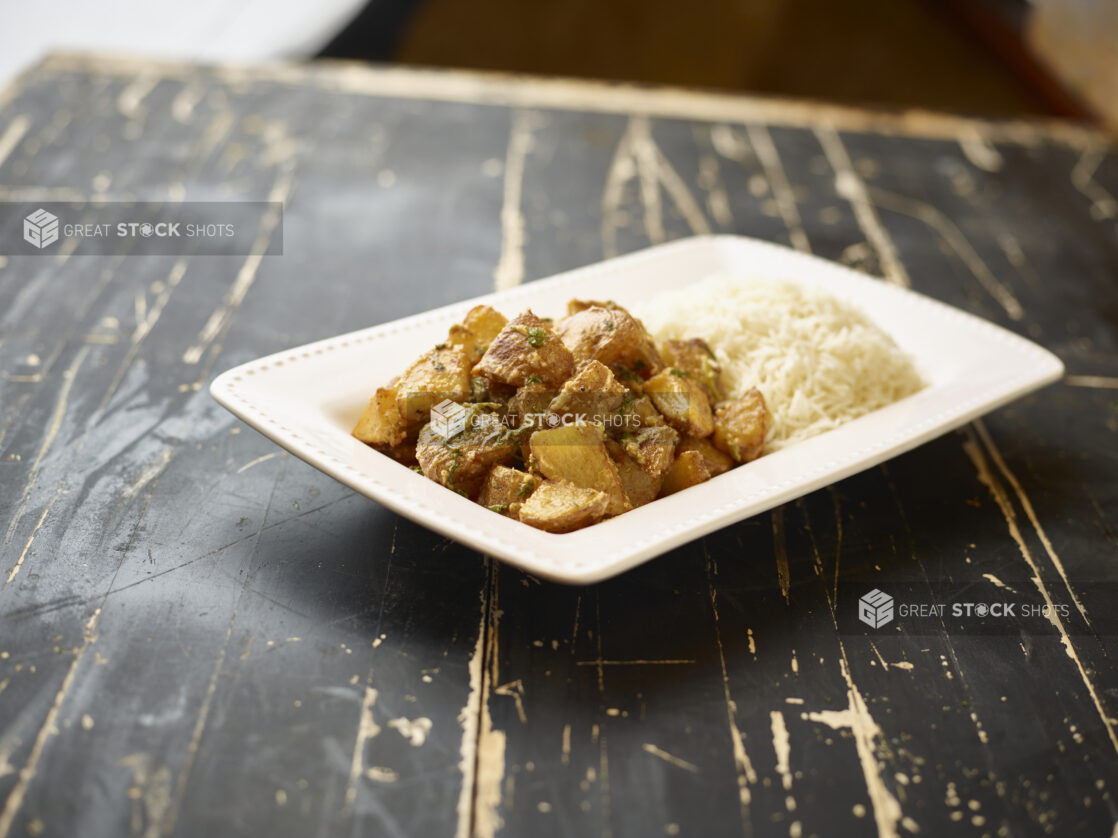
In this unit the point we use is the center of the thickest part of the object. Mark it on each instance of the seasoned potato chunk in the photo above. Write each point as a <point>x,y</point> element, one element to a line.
<point>442,373</point>
<point>462,462</point>
<point>476,331</point>
<point>505,490</point>
<point>381,423</point>
<point>682,403</point>
<point>636,412</point>
<point>575,306</point>
<point>559,506</point>
<point>741,426</point>
<point>640,486</point>
<point>529,405</point>
<point>612,336</point>
<point>527,349</point>
<point>695,359</point>
<point>653,449</point>
<point>577,453</point>
<point>687,470</point>
<point>716,461</point>
<point>592,392</point>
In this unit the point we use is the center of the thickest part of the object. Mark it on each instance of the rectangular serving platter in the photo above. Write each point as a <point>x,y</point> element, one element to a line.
<point>308,399</point>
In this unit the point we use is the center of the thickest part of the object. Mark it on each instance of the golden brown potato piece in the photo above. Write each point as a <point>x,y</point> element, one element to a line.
<point>696,360</point>
<point>612,336</point>
<point>575,306</point>
<point>476,331</point>
<point>442,373</point>
<point>653,449</point>
<point>577,453</point>
<point>741,426</point>
<point>560,506</point>
<point>687,470</point>
<point>634,414</point>
<point>527,350</point>
<point>462,461</point>
<point>716,461</point>
<point>529,405</point>
<point>640,486</point>
<point>381,423</point>
<point>592,393</point>
<point>682,403</point>
<point>505,490</point>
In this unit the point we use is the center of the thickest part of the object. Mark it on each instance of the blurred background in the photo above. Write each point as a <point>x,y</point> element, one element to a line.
<point>992,57</point>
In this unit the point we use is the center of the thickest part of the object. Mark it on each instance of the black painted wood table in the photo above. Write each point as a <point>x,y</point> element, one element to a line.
<point>200,635</point>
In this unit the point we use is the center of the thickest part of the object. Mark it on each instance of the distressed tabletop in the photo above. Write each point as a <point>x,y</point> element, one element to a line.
<point>202,635</point>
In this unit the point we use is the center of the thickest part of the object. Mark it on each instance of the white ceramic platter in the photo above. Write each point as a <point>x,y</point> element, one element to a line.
<point>308,399</point>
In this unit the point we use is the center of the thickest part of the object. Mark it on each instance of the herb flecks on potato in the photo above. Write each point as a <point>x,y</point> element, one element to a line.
<point>526,348</point>
<point>562,426</point>
<point>741,426</point>
<point>611,336</point>
<point>695,359</point>
<point>461,463</point>
<point>681,402</point>
<point>442,373</point>
<point>505,490</point>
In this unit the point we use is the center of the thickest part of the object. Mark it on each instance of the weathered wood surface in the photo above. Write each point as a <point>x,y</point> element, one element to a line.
<point>202,635</point>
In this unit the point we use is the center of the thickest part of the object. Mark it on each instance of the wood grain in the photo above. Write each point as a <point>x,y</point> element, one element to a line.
<point>199,633</point>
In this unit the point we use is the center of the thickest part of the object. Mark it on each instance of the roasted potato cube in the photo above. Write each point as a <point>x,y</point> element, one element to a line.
<point>381,423</point>
<point>529,405</point>
<point>682,403</point>
<point>442,373</point>
<point>653,448</point>
<point>612,336</point>
<point>476,331</point>
<point>740,427</point>
<point>687,470</point>
<point>575,306</point>
<point>462,461</point>
<point>695,359</point>
<point>636,412</point>
<point>526,349</point>
<point>560,506</point>
<point>505,490</point>
<point>577,453</point>
<point>592,393</point>
<point>716,461</point>
<point>640,486</point>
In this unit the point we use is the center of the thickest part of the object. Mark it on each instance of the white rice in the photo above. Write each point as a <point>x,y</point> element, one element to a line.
<point>818,361</point>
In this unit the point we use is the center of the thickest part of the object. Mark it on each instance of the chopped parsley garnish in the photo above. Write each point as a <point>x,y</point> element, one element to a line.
<point>499,507</point>
<point>680,373</point>
<point>533,379</point>
<point>537,336</point>
<point>608,325</point>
